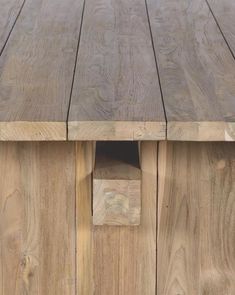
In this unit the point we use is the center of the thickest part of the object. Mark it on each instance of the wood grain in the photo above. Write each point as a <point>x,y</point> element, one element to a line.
<point>8,15</point>
<point>37,219</point>
<point>224,12</point>
<point>197,71</point>
<point>84,227</point>
<point>116,93</point>
<point>196,224</point>
<point>36,71</point>
<point>125,257</point>
<point>117,184</point>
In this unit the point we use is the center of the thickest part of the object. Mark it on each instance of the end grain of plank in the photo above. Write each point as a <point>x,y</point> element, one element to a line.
<point>115,130</point>
<point>116,94</point>
<point>32,131</point>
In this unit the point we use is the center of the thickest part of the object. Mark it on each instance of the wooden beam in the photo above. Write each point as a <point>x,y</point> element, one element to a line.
<point>117,184</point>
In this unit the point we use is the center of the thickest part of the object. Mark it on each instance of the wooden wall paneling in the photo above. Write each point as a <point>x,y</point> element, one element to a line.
<point>37,218</point>
<point>196,209</point>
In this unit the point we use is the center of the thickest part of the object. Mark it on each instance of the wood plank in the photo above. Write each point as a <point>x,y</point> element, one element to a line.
<point>116,93</point>
<point>197,71</point>
<point>125,256</point>
<point>117,184</point>
<point>37,218</point>
<point>84,257</point>
<point>224,12</point>
<point>36,71</point>
<point>196,210</point>
<point>8,15</point>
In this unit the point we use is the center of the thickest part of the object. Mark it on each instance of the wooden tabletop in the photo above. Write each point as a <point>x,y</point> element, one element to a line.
<point>117,70</point>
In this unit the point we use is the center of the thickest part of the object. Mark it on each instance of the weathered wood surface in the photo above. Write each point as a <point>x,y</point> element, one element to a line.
<point>37,219</point>
<point>36,70</point>
<point>117,184</point>
<point>197,71</point>
<point>116,94</point>
<point>224,12</point>
<point>9,11</point>
<point>112,81</point>
<point>196,219</point>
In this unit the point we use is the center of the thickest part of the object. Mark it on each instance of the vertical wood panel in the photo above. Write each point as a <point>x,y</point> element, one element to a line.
<point>37,233</point>
<point>125,257</point>
<point>84,167</point>
<point>196,236</point>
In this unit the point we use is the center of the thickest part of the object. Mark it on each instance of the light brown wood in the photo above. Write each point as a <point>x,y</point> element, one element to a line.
<point>116,130</point>
<point>8,15</point>
<point>37,218</point>
<point>116,94</point>
<point>36,70</point>
<point>117,184</point>
<point>196,219</point>
<point>84,231</point>
<point>125,257</point>
<point>224,12</point>
<point>197,71</point>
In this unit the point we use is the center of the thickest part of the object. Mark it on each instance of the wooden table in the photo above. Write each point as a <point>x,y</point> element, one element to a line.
<point>78,74</point>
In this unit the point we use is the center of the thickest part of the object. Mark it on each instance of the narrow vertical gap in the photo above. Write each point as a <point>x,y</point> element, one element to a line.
<point>156,63</point>
<point>13,25</point>
<point>221,31</point>
<point>75,67</point>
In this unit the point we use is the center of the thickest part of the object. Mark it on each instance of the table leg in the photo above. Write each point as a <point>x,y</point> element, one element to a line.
<point>37,218</point>
<point>196,217</point>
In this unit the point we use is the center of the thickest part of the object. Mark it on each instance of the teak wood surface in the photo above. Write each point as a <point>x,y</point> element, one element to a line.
<point>73,72</point>
<point>117,184</point>
<point>36,70</point>
<point>117,70</point>
<point>196,219</point>
<point>183,245</point>
<point>37,219</point>
<point>116,260</point>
